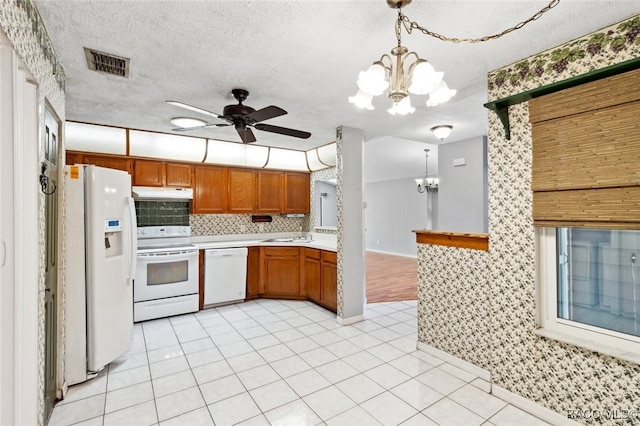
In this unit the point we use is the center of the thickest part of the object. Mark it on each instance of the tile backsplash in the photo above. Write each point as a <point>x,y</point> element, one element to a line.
<point>226,224</point>
<point>158,213</point>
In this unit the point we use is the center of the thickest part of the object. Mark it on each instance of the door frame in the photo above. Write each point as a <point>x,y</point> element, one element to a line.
<point>22,118</point>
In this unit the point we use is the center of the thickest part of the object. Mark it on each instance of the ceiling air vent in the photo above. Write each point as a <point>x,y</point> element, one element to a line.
<point>106,62</point>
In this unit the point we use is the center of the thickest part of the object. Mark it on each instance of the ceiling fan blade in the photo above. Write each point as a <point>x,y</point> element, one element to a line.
<point>264,114</point>
<point>205,126</point>
<point>283,131</point>
<point>246,135</point>
<point>196,109</point>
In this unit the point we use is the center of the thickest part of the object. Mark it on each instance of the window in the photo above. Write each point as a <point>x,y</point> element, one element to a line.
<point>589,286</point>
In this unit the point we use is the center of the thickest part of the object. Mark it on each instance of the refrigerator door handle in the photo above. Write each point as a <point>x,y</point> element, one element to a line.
<point>133,242</point>
<point>3,258</point>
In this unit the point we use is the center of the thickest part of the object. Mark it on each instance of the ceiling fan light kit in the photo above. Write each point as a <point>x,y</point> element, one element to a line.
<point>242,118</point>
<point>187,122</point>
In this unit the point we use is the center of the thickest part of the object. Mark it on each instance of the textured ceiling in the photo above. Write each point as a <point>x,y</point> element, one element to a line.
<point>303,56</point>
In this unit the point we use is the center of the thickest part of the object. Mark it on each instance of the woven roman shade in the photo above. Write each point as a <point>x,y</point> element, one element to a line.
<point>586,155</point>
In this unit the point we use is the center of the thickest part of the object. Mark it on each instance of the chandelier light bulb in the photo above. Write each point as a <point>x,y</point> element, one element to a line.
<point>424,78</point>
<point>440,94</point>
<point>373,81</point>
<point>402,108</point>
<point>362,100</point>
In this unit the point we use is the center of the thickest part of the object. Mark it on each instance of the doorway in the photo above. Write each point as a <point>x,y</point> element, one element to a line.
<point>49,185</point>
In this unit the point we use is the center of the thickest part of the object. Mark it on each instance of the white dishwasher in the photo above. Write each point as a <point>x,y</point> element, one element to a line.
<point>225,275</point>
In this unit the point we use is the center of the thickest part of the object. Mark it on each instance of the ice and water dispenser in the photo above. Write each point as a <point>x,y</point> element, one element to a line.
<point>113,237</point>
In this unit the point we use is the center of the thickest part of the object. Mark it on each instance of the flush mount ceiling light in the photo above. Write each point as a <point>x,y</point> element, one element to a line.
<point>442,132</point>
<point>187,122</point>
<point>427,184</point>
<point>411,73</point>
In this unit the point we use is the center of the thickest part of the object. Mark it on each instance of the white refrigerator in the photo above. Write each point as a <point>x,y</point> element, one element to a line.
<point>100,246</point>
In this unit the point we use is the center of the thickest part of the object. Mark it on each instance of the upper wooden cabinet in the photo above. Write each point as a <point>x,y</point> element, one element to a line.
<point>216,189</point>
<point>101,160</point>
<point>210,190</point>
<point>148,173</point>
<point>270,191</point>
<point>179,175</point>
<point>161,173</point>
<point>242,191</point>
<point>296,192</point>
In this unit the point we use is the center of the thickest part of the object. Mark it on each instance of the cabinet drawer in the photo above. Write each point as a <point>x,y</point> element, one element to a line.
<point>329,256</point>
<point>281,251</point>
<point>312,253</point>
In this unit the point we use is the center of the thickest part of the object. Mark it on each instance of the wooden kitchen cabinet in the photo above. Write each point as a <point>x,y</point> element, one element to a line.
<point>242,191</point>
<point>210,190</point>
<point>254,289</point>
<point>178,175</point>
<point>270,191</point>
<point>321,277</point>
<point>161,173</point>
<point>282,266</point>
<point>296,192</point>
<point>148,173</point>
<point>117,162</point>
<point>329,280</point>
<point>312,272</point>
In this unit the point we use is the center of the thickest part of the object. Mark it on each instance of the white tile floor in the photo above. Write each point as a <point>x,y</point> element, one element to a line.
<point>283,363</point>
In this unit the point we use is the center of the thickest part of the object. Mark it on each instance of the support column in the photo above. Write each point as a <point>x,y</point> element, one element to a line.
<point>351,245</point>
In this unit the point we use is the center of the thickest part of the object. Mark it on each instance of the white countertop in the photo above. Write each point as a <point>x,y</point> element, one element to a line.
<point>319,241</point>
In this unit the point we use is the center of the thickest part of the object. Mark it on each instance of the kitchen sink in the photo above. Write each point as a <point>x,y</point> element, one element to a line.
<point>288,240</point>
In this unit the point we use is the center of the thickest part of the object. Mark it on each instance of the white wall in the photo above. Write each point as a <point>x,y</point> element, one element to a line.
<point>462,195</point>
<point>394,209</point>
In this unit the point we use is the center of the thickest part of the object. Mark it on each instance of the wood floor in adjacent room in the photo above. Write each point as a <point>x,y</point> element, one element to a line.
<point>391,278</point>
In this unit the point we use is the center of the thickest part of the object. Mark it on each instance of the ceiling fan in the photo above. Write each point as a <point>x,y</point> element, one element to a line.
<point>242,117</point>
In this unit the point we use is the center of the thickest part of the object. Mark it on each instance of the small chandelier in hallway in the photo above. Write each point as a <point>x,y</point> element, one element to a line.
<point>427,184</point>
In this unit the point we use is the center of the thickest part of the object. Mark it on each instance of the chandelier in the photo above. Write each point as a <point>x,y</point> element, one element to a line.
<point>406,73</point>
<point>427,184</point>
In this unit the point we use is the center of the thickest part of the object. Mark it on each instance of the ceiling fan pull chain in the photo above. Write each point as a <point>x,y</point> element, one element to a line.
<point>411,25</point>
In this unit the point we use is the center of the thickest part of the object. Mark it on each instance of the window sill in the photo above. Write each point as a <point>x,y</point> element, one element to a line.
<point>621,354</point>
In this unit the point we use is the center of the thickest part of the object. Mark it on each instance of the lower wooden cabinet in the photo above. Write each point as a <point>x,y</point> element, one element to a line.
<point>329,280</point>
<point>293,273</point>
<point>254,289</point>
<point>312,273</point>
<point>282,271</point>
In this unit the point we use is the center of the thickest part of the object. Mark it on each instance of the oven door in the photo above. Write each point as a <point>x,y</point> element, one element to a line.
<point>165,274</point>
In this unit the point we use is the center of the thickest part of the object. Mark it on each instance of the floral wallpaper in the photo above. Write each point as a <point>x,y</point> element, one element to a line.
<point>553,374</point>
<point>610,45</point>
<point>453,302</point>
<point>21,23</point>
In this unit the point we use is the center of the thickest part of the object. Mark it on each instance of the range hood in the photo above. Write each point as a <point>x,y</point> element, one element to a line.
<point>155,193</point>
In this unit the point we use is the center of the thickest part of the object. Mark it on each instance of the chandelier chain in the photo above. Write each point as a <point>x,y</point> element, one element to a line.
<point>413,25</point>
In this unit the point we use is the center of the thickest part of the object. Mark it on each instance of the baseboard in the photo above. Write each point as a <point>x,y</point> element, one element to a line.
<point>531,407</point>
<point>350,320</point>
<point>460,363</point>
<point>514,399</point>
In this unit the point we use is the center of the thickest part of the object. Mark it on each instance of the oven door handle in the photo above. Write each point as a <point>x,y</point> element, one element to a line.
<point>133,240</point>
<point>164,256</point>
